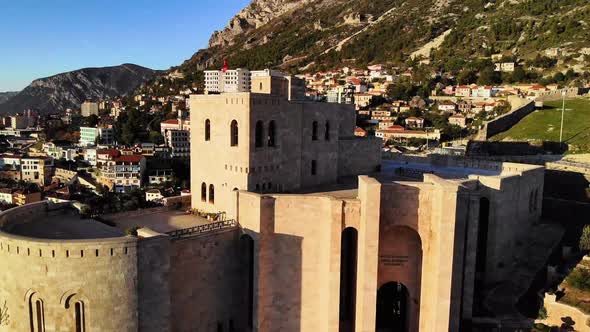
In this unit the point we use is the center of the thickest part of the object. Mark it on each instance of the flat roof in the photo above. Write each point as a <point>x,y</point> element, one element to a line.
<point>64,225</point>
<point>389,167</point>
<point>161,221</point>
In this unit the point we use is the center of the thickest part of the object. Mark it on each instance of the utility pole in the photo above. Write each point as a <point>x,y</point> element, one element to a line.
<point>562,113</point>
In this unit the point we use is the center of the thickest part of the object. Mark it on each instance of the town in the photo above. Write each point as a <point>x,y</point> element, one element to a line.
<point>132,152</point>
<point>320,165</point>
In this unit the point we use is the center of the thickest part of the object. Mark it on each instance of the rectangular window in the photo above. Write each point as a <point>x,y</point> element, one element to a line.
<point>314,167</point>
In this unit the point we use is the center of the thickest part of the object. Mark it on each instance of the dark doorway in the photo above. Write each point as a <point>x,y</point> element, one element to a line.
<point>348,263</point>
<point>481,254</point>
<point>392,308</point>
<point>247,248</point>
<point>482,236</point>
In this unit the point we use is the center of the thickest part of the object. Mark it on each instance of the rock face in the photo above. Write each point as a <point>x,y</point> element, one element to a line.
<point>296,34</point>
<point>68,90</point>
<point>257,14</point>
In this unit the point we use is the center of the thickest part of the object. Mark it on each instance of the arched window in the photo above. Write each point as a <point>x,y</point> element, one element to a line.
<point>327,132</point>
<point>79,314</point>
<point>203,192</point>
<point>259,134</point>
<point>260,86</point>
<point>207,130</point>
<point>75,303</point>
<point>271,134</point>
<point>234,133</point>
<point>36,313</point>
<point>211,194</point>
<point>314,131</point>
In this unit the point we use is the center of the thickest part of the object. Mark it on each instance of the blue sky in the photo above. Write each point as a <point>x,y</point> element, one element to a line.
<point>40,38</point>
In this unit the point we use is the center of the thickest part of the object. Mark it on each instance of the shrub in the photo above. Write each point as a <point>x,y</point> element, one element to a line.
<point>579,278</point>
<point>585,238</point>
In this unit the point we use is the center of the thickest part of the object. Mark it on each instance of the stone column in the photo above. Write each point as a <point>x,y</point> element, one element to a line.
<point>369,193</point>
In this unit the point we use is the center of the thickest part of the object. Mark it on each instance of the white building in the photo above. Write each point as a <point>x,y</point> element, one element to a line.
<point>100,135</point>
<point>153,195</point>
<point>505,66</point>
<point>227,80</point>
<point>88,108</point>
<point>177,136</point>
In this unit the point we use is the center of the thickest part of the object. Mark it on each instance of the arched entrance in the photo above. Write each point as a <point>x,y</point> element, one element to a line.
<point>481,254</point>
<point>247,250</point>
<point>392,308</point>
<point>348,263</point>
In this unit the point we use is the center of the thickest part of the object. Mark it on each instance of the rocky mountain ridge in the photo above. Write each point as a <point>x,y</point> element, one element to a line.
<point>4,96</point>
<point>308,34</point>
<point>56,93</point>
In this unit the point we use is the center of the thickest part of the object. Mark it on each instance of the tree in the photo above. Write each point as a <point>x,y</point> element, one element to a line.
<point>466,77</point>
<point>156,137</point>
<point>518,75</point>
<point>92,120</point>
<point>488,76</point>
<point>585,238</point>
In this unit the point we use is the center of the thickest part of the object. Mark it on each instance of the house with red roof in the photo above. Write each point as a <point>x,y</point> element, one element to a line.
<point>122,173</point>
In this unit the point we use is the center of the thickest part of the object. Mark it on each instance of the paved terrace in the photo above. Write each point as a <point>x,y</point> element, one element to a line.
<point>64,224</point>
<point>390,167</point>
<point>158,220</point>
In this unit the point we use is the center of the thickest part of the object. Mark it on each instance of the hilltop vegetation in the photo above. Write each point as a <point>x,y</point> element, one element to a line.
<point>544,125</point>
<point>322,34</point>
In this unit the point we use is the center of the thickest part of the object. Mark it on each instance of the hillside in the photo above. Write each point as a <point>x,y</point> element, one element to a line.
<point>4,96</point>
<point>68,90</point>
<point>315,34</point>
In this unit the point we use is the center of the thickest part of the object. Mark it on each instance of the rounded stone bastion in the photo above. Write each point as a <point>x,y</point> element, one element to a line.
<point>59,272</point>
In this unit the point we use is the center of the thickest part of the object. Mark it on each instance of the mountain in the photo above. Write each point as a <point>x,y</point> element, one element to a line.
<point>68,90</point>
<point>4,96</point>
<point>315,34</point>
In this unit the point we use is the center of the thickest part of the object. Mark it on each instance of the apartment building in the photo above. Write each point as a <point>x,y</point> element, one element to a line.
<point>97,135</point>
<point>121,173</point>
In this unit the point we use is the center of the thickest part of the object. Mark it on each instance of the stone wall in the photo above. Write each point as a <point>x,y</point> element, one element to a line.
<point>558,94</point>
<point>100,273</point>
<point>505,122</point>
<point>206,282</point>
<point>351,162</point>
<point>153,286</point>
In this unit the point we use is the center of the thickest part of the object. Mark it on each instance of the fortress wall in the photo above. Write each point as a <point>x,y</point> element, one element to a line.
<point>298,267</point>
<point>153,264</point>
<point>506,121</point>
<point>421,244</point>
<point>351,162</point>
<point>515,205</point>
<point>475,163</point>
<point>298,259</point>
<point>207,285</point>
<point>101,273</point>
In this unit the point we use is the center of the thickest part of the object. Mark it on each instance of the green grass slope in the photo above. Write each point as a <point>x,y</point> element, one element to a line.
<point>543,125</point>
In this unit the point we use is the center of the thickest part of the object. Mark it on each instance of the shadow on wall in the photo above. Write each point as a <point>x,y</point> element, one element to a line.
<point>484,148</point>
<point>566,185</point>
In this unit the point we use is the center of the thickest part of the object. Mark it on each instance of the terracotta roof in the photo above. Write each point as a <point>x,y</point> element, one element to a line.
<point>170,121</point>
<point>112,153</point>
<point>396,128</point>
<point>132,158</point>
